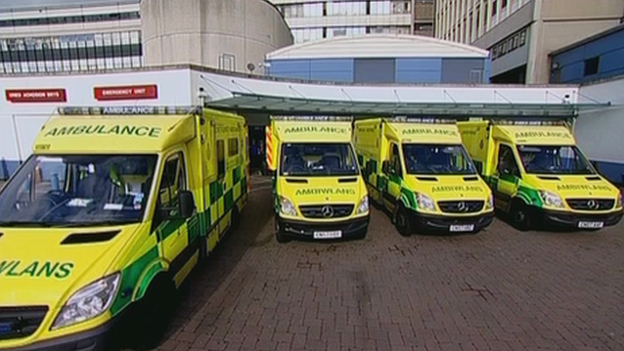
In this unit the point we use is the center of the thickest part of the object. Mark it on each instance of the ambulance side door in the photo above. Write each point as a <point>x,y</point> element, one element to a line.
<point>170,226</point>
<point>507,176</point>
<point>393,171</point>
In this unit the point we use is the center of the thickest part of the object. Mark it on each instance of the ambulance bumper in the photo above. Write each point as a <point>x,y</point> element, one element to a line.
<point>571,220</point>
<point>90,340</point>
<point>449,224</point>
<point>350,228</point>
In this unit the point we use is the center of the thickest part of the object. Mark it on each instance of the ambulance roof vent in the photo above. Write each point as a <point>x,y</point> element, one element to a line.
<point>89,238</point>
<point>128,110</point>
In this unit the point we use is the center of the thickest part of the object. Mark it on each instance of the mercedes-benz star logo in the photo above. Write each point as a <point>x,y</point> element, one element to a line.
<point>462,207</point>
<point>593,204</point>
<point>327,211</point>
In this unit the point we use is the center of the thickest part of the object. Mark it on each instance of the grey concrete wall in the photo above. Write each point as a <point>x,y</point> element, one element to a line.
<point>226,34</point>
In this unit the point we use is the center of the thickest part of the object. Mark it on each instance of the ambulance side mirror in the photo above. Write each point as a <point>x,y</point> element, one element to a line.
<point>187,204</point>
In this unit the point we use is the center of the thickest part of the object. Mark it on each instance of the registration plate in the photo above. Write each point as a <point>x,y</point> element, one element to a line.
<point>328,235</point>
<point>462,228</point>
<point>591,225</point>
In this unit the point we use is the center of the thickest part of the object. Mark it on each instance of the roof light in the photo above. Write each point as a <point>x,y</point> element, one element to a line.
<point>424,120</point>
<point>529,122</point>
<point>127,110</point>
<point>313,118</point>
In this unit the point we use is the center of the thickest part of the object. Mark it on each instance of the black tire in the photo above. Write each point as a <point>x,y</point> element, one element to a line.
<point>402,222</point>
<point>519,216</point>
<point>279,233</point>
<point>154,313</point>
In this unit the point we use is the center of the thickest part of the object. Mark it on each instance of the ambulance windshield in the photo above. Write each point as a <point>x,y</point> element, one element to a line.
<point>318,159</point>
<point>437,159</point>
<point>78,190</point>
<point>553,159</point>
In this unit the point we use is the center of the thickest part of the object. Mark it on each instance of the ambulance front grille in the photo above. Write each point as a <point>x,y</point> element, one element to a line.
<point>591,204</point>
<point>326,211</point>
<point>20,322</point>
<point>461,206</point>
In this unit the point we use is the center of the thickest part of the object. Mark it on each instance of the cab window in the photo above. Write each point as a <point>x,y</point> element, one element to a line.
<point>220,159</point>
<point>395,160</point>
<point>172,183</point>
<point>507,162</point>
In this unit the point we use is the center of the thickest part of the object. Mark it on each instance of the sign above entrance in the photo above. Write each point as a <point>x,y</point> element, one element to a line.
<point>130,92</point>
<point>35,95</point>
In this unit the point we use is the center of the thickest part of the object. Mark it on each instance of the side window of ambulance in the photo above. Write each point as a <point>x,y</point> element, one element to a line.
<point>173,181</point>
<point>232,147</point>
<point>220,159</point>
<point>395,159</point>
<point>506,162</point>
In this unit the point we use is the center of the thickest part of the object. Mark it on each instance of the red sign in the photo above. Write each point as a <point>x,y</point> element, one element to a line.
<point>132,92</point>
<point>36,95</point>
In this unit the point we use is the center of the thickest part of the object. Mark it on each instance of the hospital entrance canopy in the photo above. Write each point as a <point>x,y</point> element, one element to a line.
<point>254,94</point>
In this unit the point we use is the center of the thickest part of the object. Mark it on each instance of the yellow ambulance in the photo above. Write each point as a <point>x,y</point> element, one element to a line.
<point>539,175</point>
<point>418,169</point>
<point>319,192</point>
<point>108,216</point>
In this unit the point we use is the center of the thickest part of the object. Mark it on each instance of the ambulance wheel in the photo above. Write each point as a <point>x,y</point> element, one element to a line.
<point>279,233</point>
<point>402,222</point>
<point>154,313</point>
<point>519,216</point>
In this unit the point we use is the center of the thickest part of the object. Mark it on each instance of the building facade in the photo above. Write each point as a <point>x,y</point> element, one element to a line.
<point>75,36</point>
<point>233,35</point>
<point>317,19</point>
<point>520,34</point>
<point>70,38</point>
<point>382,59</point>
<point>597,63</point>
<point>595,58</point>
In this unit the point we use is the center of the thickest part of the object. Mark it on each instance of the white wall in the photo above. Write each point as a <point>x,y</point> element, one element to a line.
<point>20,122</point>
<point>600,133</point>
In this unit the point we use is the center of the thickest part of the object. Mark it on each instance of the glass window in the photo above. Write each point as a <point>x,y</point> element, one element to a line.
<point>78,190</point>
<point>232,147</point>
<point>554,160</point>
<point>380,7</point>
<point>401,7</point>
<point>318,159</point>
<point>507,162</point>
<point>220,159</point>
<point>395,160</point>
<point>134,38</point>
<point>437,159</point>
<point>173,181</point>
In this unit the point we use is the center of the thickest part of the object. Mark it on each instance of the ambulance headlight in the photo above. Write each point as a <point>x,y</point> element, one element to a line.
<point>490,202</point>
<point>363,206</point>
<point>424,202</point>
<point>287,207</point>
<point>619,202</point>
<point>551,199</point>
<point>89,302</point>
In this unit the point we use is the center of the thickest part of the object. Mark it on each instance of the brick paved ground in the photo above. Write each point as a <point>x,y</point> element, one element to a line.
<point>499,290</point>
